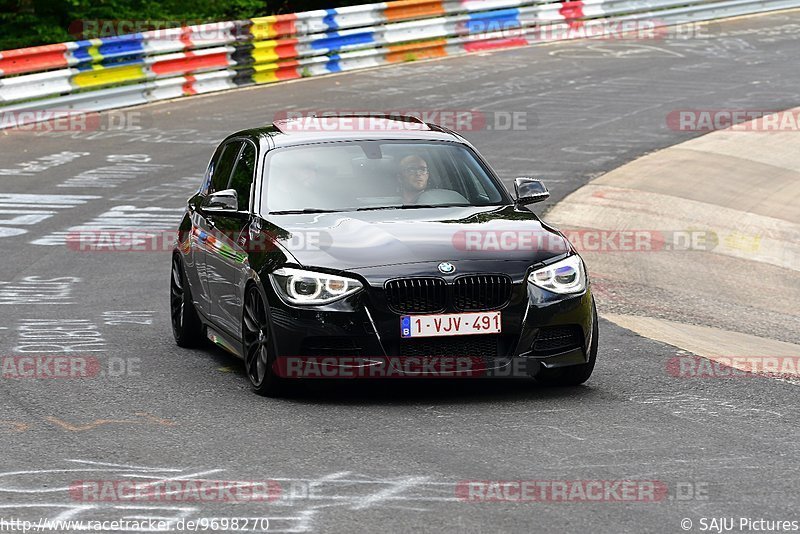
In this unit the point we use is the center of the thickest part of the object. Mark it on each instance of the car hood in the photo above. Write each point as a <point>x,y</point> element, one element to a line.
<point>353,240</point>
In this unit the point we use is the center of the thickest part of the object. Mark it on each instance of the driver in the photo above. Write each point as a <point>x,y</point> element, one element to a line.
<point>413,178</point>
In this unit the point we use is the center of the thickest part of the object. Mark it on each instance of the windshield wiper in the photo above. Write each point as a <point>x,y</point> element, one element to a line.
<point>376,208</point>
<point>303,211</point>
<point>418,206</point>
<point>368,208</point>
<point>412,207</point>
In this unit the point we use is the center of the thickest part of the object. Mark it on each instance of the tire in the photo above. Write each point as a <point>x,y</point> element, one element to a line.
<point>258,348</point>
<point>186,325</point>
<point>574,375</point>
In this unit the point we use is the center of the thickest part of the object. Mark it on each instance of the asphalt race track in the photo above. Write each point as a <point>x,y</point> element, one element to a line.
<point>379,457</point>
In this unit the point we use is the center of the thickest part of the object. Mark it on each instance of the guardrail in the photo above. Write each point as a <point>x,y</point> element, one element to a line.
<point>106,73</point>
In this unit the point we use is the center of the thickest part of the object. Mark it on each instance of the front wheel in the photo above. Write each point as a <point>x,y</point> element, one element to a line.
<point>573,375</point>
<point>258,359</point>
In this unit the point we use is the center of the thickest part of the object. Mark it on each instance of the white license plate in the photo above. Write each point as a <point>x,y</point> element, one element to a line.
<point>457,324</point>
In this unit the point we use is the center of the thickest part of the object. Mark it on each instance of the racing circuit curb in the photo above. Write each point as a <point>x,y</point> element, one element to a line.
<point>738,192</point>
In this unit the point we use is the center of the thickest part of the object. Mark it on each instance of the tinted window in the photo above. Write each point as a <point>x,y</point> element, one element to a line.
<point>376,174</point>
<point>212,166</point>
<point>242,176</point>
<point>222,173</point>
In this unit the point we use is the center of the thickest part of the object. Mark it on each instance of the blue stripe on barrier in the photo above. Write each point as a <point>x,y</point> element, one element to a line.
<point>330,20</point>
<point>81,53</point>
<point>500,13</point>
<point>493,21</point>
<point>126,45</point>
<point>333,64</point>
<point>334,41</point>
<point>122,46</point>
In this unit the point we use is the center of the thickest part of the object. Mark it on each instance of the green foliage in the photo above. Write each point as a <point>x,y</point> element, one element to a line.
<point>36,22</point>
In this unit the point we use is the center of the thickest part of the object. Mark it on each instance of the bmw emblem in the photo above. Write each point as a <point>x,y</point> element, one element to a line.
<point>447,268</point>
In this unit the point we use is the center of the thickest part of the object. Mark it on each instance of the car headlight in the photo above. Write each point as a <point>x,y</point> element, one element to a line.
<point>564,277</point>
<point>297,286</point>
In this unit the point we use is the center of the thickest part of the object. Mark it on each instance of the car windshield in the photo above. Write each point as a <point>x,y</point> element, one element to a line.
<point>372,175</point>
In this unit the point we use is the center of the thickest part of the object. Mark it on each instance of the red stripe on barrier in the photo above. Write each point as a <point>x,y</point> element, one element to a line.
<point>191,63</point>
<point>284,25</point>
<point>286,48</point>
<point>495,44</point>
<point>186,37</point>
<point>572,11</point>
<point>33,59</point>
<point>288,70</point>
<point>188,86</point>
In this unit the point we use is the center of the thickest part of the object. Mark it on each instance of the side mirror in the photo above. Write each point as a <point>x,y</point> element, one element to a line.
<point>530,191</point>
<point>226,200</point>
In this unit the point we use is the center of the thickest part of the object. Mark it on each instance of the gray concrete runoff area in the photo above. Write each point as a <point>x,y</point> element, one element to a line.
<point>680,428</point>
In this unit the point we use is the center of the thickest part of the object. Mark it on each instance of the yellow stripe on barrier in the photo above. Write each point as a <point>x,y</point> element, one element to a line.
<point>264,52</point>
<point>263,28</point>
<point>265,73</point>
<point>94,50</point>
<point>108,76</point>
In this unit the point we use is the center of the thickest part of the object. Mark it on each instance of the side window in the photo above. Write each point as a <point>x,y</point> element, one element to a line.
<point>222,173</point>
<point>242,177</point>
<point>212,166</point>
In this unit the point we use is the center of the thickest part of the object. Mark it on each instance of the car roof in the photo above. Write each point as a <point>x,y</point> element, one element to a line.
<point>306,130</point>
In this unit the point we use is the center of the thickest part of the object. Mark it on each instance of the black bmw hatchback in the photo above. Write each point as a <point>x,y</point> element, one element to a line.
<point>376,247</point>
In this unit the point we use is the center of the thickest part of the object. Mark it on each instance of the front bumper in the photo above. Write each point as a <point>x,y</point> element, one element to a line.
<point>360,337</point>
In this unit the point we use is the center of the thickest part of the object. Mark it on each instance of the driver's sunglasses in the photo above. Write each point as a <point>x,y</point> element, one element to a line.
<point>416,170</point>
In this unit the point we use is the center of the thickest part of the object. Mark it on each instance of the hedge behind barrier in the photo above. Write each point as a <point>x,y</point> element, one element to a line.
<point>26,23</point>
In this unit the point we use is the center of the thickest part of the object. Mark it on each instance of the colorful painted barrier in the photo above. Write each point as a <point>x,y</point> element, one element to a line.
<point>98,74</point>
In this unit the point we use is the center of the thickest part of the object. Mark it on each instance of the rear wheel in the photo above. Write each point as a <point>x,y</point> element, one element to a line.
<point>186,326</point>
<point>573,375</point>
<point>257,341</point>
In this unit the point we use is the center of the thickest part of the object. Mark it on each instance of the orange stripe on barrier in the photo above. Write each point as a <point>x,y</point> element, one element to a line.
<point>416,51</point>
<point>33,59</point>
<point>410,9</point>
<point>191,63</point>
